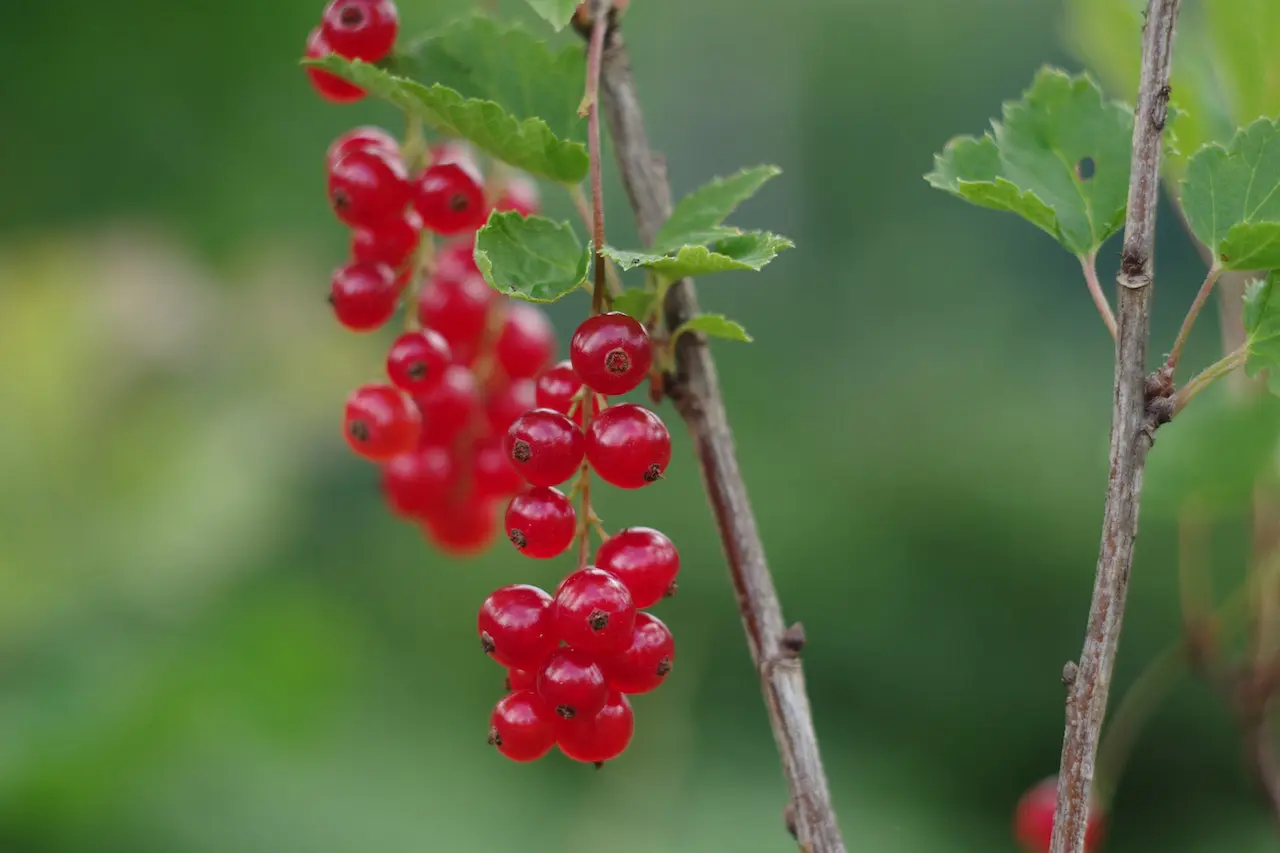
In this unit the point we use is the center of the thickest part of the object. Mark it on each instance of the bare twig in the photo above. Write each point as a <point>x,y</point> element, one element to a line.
<point>1132,429</point>
<point>695,389</point>
<point>591,107</point>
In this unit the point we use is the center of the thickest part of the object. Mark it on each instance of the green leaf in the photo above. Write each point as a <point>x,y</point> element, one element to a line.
<point>750,250</point>
<point>558,13</point>
<point>531,258</point>
<point>1036,162</point>
<point>703,210</point>
<point>1262,325</point>
<point>1231,196</point>
<point>480,58</point>
<point>635,302</point>
<point>527,144</point>
<point>714,325</point>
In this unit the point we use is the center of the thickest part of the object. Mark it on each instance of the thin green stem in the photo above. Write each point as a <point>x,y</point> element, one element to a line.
<point>1209,375</point>
<point>583,206</point>
<point>1089,263</point>
<point>1210,279</point>
<point>591,105</point>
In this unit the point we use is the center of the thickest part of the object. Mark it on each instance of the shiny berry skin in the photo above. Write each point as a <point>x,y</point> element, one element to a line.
<point>448,405</point>
<point>646,661</point>
<point>457,308</point>
<point>545,447</point>
<point>458,153</point>
<point>363,296</point>
<point>527,341</point>
<point>418,360</point>
<point>449,199</point>
<point>572,684</point>
<point>556,389</point>
<point>509,401</point>
<point>358,139</point>
<point>391,242</point>
<point>368,187</point>
<point>419,482</point>
<point>1034,817</point>
<point>492,474</point>
<point>611,353</point>
<point>462,528</point>
<point>521,727</point>
<point>360,29</point>
<point>628,446</point>
<point>541,522</point>
<point>603,737</point>
<point>519,195</point>
<point>331,87</point>
<point>521,679</point>
<point>380,422</point>
<point>516,626</point>
<point>594,612</point>
<point>644,560</point>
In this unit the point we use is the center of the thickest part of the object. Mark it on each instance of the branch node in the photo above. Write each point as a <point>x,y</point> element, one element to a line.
<point>789,818</point>
<point>1069,673</point>
<point>793,641</point>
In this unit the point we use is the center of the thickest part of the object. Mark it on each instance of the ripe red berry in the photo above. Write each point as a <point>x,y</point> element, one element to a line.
<point>521,679</point>
<point>545,446</point>
<point>331,87</point>
<point>457,261</point>
<point>520,195</point>
<point>417,360</point>
<point>368,186</point>
<point>644,560</point>
<point>1034,817</point>
<point>449,199</point>
<point>556,389</point>
<point>457,308</point>
<point>360,138</point>
<point>363,296</point>
<point>360,29</point>
<point>391,242</point>
<point>459,153</point>
<point>509,401</point>
<point>419,482</point>
<point>541,522</point>
<point>448,405</point>
<point>516,626</point>
<point>603,737</point>
<point>527,341</point>
<point>594,612</point>
<point>462,528</point>
<point>380,422</point>
<point>646,661</point>
<point>521,727</point>
<point>571,683</point>
<point>611,352</point>
<point>628,446</point>
<point>492,474</point>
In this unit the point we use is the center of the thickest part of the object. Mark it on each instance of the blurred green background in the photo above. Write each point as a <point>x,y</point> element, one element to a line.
<point>214,638</point>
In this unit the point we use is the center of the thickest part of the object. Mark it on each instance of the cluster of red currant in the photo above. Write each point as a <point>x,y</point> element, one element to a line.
<point>354,29</point>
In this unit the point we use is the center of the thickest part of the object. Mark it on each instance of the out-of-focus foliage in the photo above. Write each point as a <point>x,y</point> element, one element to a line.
<point>213,637</point>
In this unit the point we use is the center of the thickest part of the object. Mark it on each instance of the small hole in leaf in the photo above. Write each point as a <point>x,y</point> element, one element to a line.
<point>1085,168</point>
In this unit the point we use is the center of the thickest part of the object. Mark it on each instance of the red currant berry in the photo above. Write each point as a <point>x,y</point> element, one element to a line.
<point>449,405</point>
<point>556,389</point>
<point>508,402</point>
<point>363,296</point>
<point>521,679</point>
<point>515,626</point>
<point>457,261</point>
<point>492,474</point>
<point>457,152</point>
<point>463,528</point>
<point>594,612</point>
<point>450,200</point>
<point>545,446</point>
<point>611,352</point>
<point>419,482</point>
<point>520,195</point>
<point>380,422</point>
<point>368,187</point>
<point>392,242</point>
<point>628,446</point>
<point>603,737</point>
<point>331,87</point>
<point>360,29</point>
<point>359,139</point>
<point>521,727</point>
<point>527,341</point>
<point>644,560</point>
<point>1034,817</point>
<point>418,360</point>
<point>571,683</point>
<point>457,308</point>
<point>541,522</point>
<point>643,664</point>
